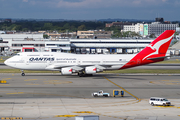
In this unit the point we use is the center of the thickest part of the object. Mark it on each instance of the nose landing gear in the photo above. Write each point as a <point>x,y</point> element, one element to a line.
<point>22,74</point>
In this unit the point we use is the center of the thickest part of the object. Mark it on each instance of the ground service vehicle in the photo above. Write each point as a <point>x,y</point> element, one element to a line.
<point>159,101</point>
<point>100,94</point>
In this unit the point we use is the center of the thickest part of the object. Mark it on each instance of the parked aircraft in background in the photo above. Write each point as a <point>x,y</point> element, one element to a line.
<point>84,64</point>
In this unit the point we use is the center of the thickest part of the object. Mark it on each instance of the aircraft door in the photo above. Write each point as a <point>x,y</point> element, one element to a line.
<point>79,62</point>
<point>27,62</point>
<point>103,61</point>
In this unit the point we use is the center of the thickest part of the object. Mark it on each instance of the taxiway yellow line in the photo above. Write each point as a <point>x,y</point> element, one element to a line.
<point>168,107</point>
<point>6,79</point>
<point>123,89</point>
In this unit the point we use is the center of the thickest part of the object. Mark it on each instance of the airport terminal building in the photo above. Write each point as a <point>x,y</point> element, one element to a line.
<point>36,43</point>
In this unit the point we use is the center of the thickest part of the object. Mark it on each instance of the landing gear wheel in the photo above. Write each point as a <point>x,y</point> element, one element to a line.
<point>23,74</point>
<point>95,95</point>
<point>81,74</point>
<point>152,104</point>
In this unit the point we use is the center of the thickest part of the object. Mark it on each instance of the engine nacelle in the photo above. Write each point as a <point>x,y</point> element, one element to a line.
<point>90,70</point>
<point>66,71</point>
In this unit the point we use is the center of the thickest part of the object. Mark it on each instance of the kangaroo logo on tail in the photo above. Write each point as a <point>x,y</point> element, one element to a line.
<point>159,47</point>
<point>154,52</point>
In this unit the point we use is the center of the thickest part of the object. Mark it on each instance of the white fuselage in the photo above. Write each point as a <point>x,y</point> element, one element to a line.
<point>56,61</point>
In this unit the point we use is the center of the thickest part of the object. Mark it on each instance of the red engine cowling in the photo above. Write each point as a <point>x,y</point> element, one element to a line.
<point>90,70</point>
<point>66,71</point>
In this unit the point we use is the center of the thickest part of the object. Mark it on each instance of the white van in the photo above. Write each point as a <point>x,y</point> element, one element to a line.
<point>159,101</point>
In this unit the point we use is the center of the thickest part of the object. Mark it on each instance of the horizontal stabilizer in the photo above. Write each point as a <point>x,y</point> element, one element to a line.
<point>155,58</point>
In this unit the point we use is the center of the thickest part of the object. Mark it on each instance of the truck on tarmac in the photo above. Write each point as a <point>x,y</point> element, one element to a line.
<point>100,93</point>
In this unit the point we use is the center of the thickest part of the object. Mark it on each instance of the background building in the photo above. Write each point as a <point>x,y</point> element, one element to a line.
<point>19,43</point>
<point>157,28</point>
<point>118,24</point>
<point>94,34</point>
<point>138,28</point>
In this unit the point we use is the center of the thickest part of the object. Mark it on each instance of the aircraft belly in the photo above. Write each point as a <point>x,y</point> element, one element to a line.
<point>114,67</point>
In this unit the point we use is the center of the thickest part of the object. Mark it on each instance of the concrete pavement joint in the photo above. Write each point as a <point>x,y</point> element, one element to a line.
<point>43,94</point>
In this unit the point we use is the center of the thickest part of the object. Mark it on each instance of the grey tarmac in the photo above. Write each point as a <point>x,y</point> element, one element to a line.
<point>56,97</point>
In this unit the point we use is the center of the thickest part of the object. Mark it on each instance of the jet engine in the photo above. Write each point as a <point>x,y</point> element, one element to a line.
<point>90,70</point>
<point>66,71</point>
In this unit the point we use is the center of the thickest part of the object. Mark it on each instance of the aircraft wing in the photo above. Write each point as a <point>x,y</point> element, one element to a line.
<point>76,67</point>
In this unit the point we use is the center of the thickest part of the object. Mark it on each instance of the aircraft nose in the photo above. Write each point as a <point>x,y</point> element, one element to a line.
<point>5,62</point>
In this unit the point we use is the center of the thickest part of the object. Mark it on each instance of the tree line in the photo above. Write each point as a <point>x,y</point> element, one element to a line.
<point>62,27</point>
<point>52,26</point>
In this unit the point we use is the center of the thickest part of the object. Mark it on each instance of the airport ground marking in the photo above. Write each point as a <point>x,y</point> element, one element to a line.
<point>168,107</point>
<point>167,82</point>
<point>83,112</point>
<point>30,79</point>
<point>31,84</point>
<point>11,118</point>
<point>66,115</point>
<point>4,85</point>
<point>6,79</point>
<point>123,89</point>
<point>56,82</point>
<point>16,93</point>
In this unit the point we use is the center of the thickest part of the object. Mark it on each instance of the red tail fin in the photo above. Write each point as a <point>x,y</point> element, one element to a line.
<point>154,52</point>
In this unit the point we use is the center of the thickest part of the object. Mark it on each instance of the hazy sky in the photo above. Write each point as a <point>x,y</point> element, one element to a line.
<point>90,9</point>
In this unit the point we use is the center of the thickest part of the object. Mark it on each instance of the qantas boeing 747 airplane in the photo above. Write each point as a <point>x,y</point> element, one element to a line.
<point>85,64</point>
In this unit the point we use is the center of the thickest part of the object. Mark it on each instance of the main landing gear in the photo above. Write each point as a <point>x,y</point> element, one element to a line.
<point>83,74</point>
<point>23,74</point>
